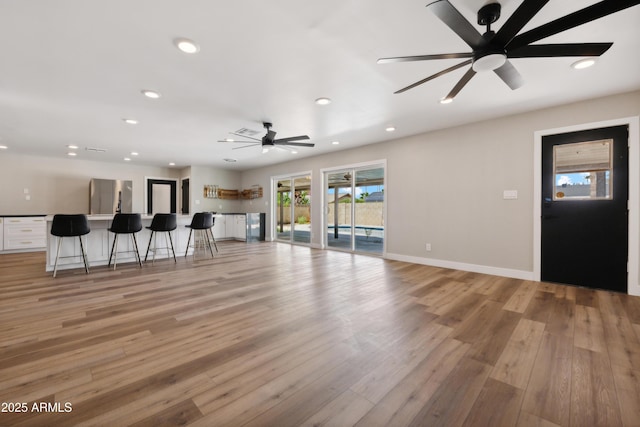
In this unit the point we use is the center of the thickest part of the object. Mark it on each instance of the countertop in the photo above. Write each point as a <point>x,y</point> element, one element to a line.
<point>23,215</point>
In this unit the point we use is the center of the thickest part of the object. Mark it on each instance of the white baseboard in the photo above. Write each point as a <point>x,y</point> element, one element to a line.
<point>475,268</point>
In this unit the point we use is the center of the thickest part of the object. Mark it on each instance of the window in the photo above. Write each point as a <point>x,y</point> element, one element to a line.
<point>583,170</point>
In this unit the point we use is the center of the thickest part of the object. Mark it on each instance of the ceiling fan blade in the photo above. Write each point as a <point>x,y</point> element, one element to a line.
<point>291,138</point>
<point>237,142</point>
<point>510,75</point>
<point>294,144</point>
<point>424,57</point>
<point>245,146</point>
<point>582,16</point>
<point>245,136</point>
<point>461,83</point>
<point>458,23</point>
<point>523,14</point>
<point>554,50</point>
<point>438,74</point>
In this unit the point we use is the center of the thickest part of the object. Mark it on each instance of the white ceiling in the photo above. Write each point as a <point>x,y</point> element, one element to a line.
<point>71,70</point>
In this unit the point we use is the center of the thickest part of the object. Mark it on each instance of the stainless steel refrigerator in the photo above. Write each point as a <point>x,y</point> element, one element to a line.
<point>110,196</point>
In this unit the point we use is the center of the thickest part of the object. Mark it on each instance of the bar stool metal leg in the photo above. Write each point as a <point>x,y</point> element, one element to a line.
<point>172,250</point>
<point>188,242</point>
<point>55,265</point>
<point>149,246</point>
<point>135,245</point>
<point>114,251</point>
<point>84,256</point>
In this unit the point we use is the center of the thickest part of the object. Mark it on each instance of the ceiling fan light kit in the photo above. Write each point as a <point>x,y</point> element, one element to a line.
<point>491,51</point>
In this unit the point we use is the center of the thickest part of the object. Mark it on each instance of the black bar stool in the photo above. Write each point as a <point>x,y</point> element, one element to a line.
<point>202,221</point>
<point>125,224</point>
<point>162,223</point>
<point>70,226</point>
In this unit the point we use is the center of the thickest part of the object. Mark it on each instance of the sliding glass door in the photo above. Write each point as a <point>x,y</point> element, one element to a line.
<point>355,209</point>
<point>293,209</point>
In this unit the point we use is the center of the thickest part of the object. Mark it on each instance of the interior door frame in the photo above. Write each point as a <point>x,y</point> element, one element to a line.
<point>633,284</point>
<point>148,181</point>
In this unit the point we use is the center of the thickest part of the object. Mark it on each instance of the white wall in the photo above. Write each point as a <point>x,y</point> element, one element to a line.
<point>443,187</point>
<point>446,187</point>
<point>201,176</point>
<point>62,185</point>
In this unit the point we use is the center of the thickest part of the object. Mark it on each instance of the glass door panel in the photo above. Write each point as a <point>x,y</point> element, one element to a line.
<point>355,209</point>
<point>339,210</point>
<point>301,210</point>
<point>283,209</point>
<point>369,210</point>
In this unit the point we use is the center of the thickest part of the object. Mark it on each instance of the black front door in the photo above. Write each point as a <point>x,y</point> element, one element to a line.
<point>585,188</point>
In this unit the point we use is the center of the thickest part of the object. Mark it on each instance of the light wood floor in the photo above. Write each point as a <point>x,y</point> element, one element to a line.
<point>275,335</point>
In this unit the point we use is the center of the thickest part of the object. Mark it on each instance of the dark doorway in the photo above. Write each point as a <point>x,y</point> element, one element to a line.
<point>585,189</point>
<point>185,196</point>
<point>165,186</point>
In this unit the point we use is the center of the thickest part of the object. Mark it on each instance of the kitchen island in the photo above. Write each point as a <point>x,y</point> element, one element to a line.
<point>237,226</point>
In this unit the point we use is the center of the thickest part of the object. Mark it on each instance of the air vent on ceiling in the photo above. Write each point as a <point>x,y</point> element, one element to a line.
<point>247,132</point>
<point>96,150</point>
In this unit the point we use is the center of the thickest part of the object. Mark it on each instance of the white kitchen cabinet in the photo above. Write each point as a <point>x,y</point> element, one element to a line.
<point>220,227</point>
<point>240,227</point>
<point>1,234</point>
<point>29,233</point>
<point>230,226</point>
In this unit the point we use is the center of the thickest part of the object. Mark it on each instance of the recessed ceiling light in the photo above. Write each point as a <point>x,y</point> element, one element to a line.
<point>228,160</point>
<point>229,140</point>
<point>583,63</point>
<point>446,100</point>
<point>323,101</point>
<point>336,142</point>
<point>126,159</point>
<point>134,153</point>
<point>172,164</point>
<point>390,129</point>
<point>72,147</point>
<point>151,94</point>
<point>132,121</point>
<point>71,153</point>
<point>265,150</point>
<point>294,152</point>
<point>186,45</point>
<point>3,147</point>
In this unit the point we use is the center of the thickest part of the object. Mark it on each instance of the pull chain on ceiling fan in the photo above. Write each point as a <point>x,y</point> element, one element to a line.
<point>491,51</point>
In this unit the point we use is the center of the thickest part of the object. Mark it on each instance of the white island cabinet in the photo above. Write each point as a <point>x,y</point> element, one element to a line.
<point>26,233</point>
<point>98,243</point>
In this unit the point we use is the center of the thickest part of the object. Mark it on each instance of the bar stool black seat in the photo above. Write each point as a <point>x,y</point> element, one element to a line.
<point>70,226</point>
<point>202,221</point>
<point>129,223</point>
<point>162,223</point>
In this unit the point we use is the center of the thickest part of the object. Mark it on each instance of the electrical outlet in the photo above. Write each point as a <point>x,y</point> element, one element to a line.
<point>427,246</point>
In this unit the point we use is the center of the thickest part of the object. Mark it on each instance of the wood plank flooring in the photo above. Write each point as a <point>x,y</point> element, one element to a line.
<point>276,335</point>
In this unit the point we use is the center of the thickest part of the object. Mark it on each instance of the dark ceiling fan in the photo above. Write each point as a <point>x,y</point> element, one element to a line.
<point>491,51</point>
<point>268,141</point>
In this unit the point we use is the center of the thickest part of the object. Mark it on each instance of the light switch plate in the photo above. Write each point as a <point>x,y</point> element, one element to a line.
<point>510,194</point>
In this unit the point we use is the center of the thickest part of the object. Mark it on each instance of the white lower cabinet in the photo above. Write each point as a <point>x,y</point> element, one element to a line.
<point>1,234</point>
<point>220,227</point>
<point>240,227</point>
<point>24,233</point>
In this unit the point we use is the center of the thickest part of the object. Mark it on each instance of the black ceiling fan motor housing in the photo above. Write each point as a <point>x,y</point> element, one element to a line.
<point>488,14</point>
